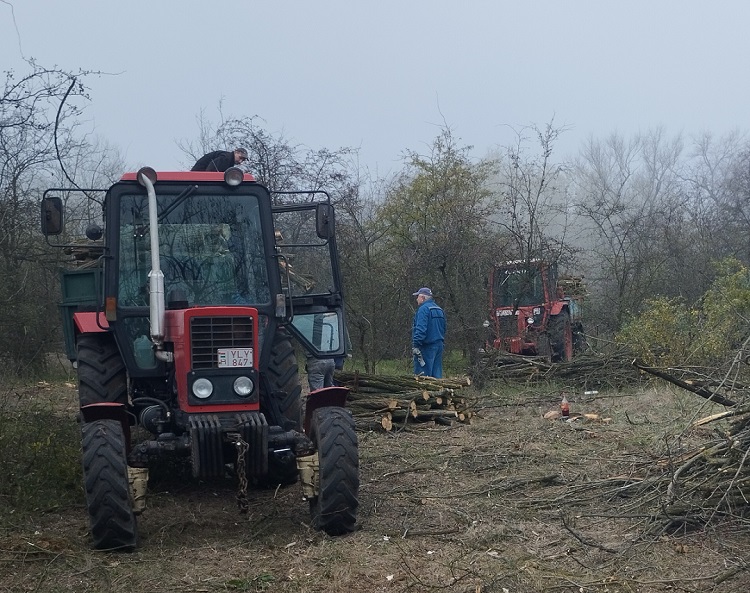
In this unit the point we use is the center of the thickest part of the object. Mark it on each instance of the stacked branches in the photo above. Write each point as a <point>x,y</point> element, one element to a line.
<point>385,402</point>
<point>714,479</point>
<point>591,371</point>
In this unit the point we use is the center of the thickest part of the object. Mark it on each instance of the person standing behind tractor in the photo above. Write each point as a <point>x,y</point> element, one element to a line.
<point>220,160</point>
<point>428,335</point>
<point>319,372</point>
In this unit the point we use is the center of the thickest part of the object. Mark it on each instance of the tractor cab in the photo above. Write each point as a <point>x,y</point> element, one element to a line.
<point>218,242</point>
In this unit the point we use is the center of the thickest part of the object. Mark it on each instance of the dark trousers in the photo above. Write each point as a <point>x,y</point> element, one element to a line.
<point>320,373</point>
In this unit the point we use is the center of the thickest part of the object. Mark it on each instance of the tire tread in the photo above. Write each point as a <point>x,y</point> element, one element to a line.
<point>105,474</point>
<point>334,510</point>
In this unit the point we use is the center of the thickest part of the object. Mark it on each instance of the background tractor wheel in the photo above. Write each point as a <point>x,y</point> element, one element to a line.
<point>105,477</point>
<point>101,370</point>
<point>561,338</point>
<point>334,510</point>
<point>543,346</point>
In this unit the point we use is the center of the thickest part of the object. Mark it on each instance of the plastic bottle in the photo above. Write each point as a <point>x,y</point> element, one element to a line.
<point>565,407</point>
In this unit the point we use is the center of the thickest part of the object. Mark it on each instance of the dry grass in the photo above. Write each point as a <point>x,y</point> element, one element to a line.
<point>512,502</point>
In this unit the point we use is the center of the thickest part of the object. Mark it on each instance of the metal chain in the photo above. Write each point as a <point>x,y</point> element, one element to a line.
<point>242,448</point>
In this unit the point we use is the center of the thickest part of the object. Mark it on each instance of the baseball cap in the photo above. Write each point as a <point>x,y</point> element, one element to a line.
<point>425,291</point>
<point>242,151</point>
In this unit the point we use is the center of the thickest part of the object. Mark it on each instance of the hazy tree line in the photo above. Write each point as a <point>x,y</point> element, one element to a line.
<point>639,217</point>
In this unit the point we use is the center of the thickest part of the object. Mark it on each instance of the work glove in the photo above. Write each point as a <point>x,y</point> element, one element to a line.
<point>418,353</point>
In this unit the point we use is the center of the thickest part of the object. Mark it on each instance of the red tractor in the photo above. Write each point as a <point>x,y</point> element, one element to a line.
<point>180,324</point>
<point>533,312</point>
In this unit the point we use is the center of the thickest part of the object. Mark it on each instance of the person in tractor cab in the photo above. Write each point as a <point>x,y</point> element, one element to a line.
<point>428,335</point>
<point>220,160</point>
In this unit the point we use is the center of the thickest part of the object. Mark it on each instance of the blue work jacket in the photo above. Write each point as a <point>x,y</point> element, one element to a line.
<point>429,325</point>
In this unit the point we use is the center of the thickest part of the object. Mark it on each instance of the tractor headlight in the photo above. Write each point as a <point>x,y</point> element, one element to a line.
<point>530,320</point>
<point>203,388</point>
<point>233,176</point>
<point>243,386</point>
<point>147,172</point>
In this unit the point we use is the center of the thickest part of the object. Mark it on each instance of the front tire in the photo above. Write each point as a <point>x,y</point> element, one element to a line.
<point>334,509</point>
<point>105,476</point>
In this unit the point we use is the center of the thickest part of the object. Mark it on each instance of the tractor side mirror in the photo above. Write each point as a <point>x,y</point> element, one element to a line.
<point>52,216</point>
<point>324,225</point>
<point>94,232</point>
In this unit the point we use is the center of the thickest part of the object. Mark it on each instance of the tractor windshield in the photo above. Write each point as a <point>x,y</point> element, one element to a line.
<point>210,250</point>
<point>516,287</point>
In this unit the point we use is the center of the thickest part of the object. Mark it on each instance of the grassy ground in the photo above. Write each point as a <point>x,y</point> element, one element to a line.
<point>512,502</point>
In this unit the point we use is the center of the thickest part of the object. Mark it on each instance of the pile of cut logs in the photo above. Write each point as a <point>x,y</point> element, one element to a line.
<point>386,402</point>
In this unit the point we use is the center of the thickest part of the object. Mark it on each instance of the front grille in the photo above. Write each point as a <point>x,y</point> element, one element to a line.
<point>208,334</point>
<point>508,326</point>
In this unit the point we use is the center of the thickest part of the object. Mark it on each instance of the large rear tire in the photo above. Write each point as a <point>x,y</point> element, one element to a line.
<point>561,338</point>
<point>284,389</point>
<point>334,510</point>
<point>105,477</point>
<point>101,371</point>
<point>543,347</point>
<point>282,405</point>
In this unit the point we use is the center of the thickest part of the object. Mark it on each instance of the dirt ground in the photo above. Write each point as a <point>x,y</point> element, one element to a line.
<point>512,502</point>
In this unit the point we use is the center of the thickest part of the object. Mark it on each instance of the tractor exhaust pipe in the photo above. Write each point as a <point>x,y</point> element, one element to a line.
<point>147,177</point>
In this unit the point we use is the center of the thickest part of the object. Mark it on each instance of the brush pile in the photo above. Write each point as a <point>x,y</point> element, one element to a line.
<point>589,371</point>
<point>713,479</point>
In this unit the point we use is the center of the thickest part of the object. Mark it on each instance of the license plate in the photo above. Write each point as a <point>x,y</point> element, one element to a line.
<point>235,357</point>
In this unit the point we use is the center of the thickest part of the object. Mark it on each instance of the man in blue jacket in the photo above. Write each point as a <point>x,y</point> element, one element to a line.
<point>428,335</point>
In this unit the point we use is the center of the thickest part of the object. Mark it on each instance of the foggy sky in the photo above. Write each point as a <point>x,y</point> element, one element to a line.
<point>385,76</point>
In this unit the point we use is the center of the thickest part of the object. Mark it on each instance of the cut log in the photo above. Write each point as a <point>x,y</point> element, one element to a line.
<point>432,414</point>
<point>385,400</point>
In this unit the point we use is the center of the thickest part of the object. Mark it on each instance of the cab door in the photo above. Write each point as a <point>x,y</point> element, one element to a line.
<point>310,274</point>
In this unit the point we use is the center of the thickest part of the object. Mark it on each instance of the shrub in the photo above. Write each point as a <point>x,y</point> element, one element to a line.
<point>39,457</point>
<point>670,333</point>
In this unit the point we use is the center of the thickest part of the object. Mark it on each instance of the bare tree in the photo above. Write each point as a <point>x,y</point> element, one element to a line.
<point>274,160</point>
<point>532,196</point>
<point>37,135</point>
<point>367,272</point>
<point>628,193</point>
<point>717,194</point>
